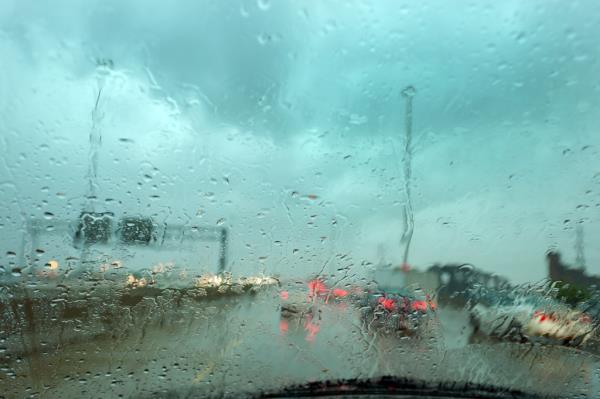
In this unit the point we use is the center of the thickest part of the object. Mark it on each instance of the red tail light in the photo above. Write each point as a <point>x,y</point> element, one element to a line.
<point>283,327</point>
<point>543,316</point>
<point>387,303</point>
<point>316,288</point>
<point>311,328</point>
<point>419,305</point>
<point>430,302</point>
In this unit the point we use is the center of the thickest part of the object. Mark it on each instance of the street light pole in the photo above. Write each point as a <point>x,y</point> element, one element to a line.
<point>407,216</point>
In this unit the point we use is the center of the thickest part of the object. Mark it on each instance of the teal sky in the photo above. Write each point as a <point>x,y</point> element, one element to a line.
<point>237,112</point>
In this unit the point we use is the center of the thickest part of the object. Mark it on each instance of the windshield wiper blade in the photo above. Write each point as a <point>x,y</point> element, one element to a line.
<point>394,386</point>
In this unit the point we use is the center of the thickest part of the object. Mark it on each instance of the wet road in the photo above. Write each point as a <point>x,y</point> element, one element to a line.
<point>238,344</point>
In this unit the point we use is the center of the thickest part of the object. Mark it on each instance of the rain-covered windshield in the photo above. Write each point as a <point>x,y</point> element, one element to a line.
<point>283,198</point>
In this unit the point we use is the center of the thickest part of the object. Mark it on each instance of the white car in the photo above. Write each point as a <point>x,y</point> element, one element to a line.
<point>524,322</point>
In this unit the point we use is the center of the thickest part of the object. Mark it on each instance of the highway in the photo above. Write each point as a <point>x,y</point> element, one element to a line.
<point>167,346</point>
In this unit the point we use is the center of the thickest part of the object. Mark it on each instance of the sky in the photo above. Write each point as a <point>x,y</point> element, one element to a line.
<point>284,122</point>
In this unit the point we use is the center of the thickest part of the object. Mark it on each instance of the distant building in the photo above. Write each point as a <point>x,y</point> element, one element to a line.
<point>427,280</point>
<point>456,280</point>
<point>389,278</point>
<point>449,283</point>
<point>559,271</point>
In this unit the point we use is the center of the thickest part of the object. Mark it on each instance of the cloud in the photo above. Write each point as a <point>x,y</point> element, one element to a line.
<point>286,124</point>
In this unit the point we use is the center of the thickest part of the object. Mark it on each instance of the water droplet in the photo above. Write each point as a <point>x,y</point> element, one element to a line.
<point>264,38</point>
<point>466,268</point>
<point>220,221</point>
<point>356,119</point>
<point>264,4</point>
<point>48,215</point>
<point>409,91</point>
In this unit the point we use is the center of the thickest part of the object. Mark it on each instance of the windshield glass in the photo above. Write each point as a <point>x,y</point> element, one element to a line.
<point>246,198</point>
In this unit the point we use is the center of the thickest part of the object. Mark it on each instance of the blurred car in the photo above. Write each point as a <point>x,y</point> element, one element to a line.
<point>303,298</point>
<point>398,311</point>
<point>526,322</point>
<point>302,305</point>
